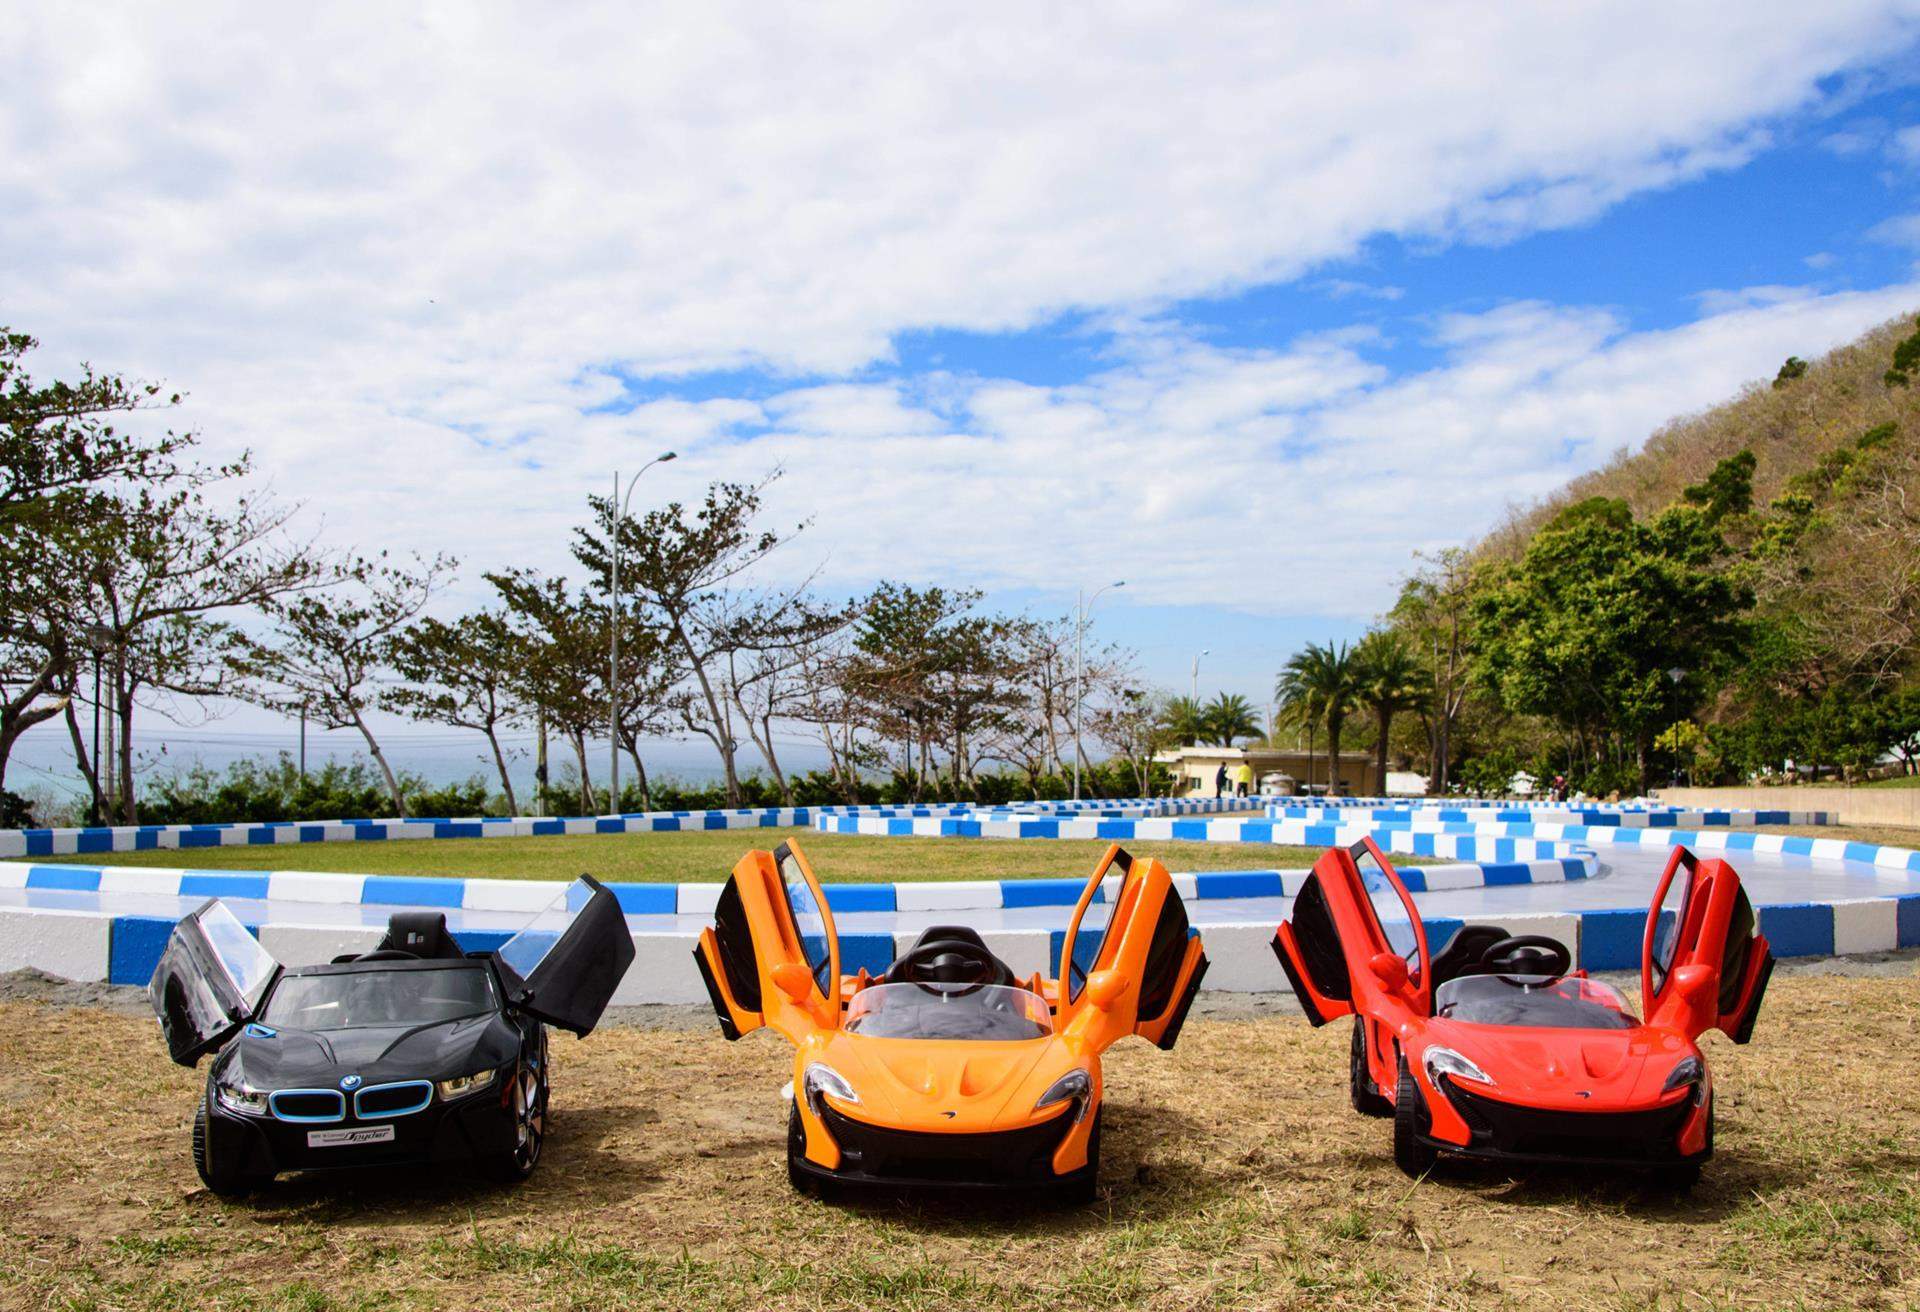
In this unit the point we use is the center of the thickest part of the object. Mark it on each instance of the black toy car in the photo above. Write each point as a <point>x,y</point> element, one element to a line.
<point>416,1052</point>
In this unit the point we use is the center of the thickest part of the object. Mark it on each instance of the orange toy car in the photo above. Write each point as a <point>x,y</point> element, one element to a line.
<point>1493,1047</point>
<point>947,1070</point>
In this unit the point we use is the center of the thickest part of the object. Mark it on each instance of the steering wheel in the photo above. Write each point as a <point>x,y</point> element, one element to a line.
<point>947,962</point>
<point>1527,954</point>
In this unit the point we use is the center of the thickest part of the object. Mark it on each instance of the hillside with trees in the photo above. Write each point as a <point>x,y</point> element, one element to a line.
<point>1742,592</point>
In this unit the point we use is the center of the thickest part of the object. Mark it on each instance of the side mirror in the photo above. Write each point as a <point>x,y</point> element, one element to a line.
<point>1105,987</point>
<point>1390,969</point>
<point>1694,982</point>
<point>794,980</point>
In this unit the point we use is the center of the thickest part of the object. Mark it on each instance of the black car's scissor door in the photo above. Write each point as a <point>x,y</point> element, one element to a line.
<point>771,956</point>
<point>1143,934</point>
<point>1350,923</point>
<point>571,958</point>
<point>210,981</point>
<point>1704,964</point>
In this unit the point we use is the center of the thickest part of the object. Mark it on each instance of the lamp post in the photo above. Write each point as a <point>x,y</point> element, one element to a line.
<point>1195,697</point>
<point>619,509</point>
<point>1079,675</point>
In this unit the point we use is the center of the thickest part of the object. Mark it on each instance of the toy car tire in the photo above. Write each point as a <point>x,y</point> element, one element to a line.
<point>219,1181</point>
<point>1367,1098</point>
<point>1411,1153</point>
<point>517,1165</point>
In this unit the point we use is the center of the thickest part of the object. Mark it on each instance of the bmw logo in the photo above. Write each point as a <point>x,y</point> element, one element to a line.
<point>349,1082</point>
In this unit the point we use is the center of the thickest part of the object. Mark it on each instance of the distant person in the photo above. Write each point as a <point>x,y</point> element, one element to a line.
<point>1220,780</point>
<point>1242,779</point>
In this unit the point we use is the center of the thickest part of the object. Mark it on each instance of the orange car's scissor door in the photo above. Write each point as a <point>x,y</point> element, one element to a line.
<point>1704,965</point>
<point>771,956</point>
<point>1349,924</point>
<point>1153,957</point>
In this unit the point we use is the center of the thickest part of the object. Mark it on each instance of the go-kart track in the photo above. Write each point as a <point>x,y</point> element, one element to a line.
<point>1582,874</point>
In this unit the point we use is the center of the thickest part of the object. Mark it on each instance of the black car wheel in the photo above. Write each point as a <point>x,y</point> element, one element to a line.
<point>1367,1098</point>
<point>1410,1153</point>
<point>219,1178</point>
<point>529,1107</point>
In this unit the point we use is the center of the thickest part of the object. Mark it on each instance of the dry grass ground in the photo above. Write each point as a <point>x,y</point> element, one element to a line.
<point>1235,1176</point>
<point>709,856</point>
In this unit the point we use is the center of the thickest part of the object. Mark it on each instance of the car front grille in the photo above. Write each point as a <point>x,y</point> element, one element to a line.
<point>997,1155</point>
<point>308,1105</point>
<point>381,1102</point>
<point>1504,1127</point>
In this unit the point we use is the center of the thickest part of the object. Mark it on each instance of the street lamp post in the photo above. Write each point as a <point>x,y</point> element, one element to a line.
<point>1079,675</point>
<point>619,515</point>
<point>1195,696</point>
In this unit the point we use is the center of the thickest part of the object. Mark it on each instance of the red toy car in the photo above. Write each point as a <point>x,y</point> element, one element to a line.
<point>1493,1048</point>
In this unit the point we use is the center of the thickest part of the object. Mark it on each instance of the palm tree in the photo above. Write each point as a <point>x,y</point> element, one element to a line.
<point>1318,684</point>
<point>1388,679</point>
<point>1184,720</point>
<point>1229,717</point>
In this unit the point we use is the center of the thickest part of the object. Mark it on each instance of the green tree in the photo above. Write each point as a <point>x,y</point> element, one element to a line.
<point>1229,716</point>
<point>1906,360</point>
<point>461,673</point>
<point>1387,680</point>
<point>331,650</point>
<point>1318,686</point>
<point>1183,720</point>
<point>1611,628</point>
<point>681,566</point>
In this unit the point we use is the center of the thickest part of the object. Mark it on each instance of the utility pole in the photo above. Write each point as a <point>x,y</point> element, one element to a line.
<point>617,512</point>
<point>303,742</point>
<point>1079,672</point>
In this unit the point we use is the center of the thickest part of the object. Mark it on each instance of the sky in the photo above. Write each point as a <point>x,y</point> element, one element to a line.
<point>1245,305</point>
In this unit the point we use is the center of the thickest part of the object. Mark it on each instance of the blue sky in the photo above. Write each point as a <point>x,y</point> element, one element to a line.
<point>1245,305</point>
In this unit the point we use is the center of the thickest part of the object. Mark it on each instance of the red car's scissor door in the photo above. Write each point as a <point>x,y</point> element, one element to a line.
<point>771,956</point>
<point>1704,965</point>
<point>1354,938</point>
<point>1143,940</point>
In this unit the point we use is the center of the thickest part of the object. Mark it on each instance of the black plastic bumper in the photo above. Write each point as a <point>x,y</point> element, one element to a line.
<point>1503,1131</point>
<point>476,1126</point>
<point>999,1159</point>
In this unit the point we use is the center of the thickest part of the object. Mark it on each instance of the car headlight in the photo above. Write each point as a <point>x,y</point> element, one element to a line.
<point>824,1079</point>
<point>1076,1086</point>
<point>1445,1061</point>
<point>462,1085</point>
<point>1689,1071</point>
<point>240,1098</point>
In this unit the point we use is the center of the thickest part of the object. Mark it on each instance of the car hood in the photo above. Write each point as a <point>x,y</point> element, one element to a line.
<point>945,1085</point>
<point>1571,1070</point>
<point>295,1059</point>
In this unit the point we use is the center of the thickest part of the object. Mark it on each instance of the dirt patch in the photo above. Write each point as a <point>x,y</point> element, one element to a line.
<point>1235,1176</point>
<point>30,985</point>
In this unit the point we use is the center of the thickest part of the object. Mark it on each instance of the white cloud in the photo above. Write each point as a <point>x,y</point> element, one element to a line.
<point>418,260</point>
<point>1904,145</point>
<point>1901,230</point>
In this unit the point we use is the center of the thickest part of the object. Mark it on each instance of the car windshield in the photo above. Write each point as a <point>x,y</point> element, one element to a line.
<point>1540,1001</point>
<point>358,999</point>
<point>933,1011</point>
